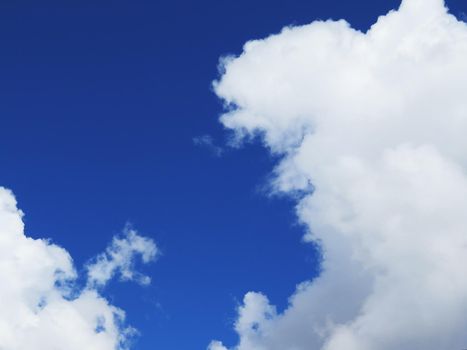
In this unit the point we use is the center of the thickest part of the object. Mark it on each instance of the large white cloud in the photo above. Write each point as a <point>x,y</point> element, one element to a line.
<point>42,307</point>
<point>377,123</point>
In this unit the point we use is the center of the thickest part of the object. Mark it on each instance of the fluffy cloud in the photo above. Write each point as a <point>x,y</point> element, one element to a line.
<point>119,258</point>
<point>42,307</point>
<point>374,124</point>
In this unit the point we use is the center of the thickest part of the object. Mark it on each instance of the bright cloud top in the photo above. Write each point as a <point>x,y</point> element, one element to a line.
<point>41,306</point>
<point>376,122</point>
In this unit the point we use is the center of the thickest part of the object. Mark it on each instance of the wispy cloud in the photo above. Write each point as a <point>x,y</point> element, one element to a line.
<point>120,258</point>
<point>207,142</point>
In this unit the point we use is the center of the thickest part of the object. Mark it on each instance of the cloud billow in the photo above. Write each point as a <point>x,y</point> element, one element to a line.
<point>119,258</point>
<point>376,121</point>
<point>42,306</point>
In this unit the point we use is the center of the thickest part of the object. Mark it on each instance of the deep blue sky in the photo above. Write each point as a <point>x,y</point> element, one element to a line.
<point>99,103</point>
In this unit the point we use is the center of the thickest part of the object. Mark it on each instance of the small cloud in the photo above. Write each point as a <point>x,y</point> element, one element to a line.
<point>207,141</point>
<point>119,258</point>
<point>216,345</point>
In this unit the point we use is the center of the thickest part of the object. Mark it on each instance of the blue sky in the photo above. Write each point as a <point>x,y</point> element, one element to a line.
<point>100,102</point>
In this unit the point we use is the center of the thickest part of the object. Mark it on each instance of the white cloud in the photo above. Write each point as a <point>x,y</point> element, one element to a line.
<point>41,307</point>
<point>119,258</point>
<point>376,121</point>
<point>216,345</point>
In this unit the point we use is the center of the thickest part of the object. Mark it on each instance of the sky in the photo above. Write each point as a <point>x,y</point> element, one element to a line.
<point>188,204</point>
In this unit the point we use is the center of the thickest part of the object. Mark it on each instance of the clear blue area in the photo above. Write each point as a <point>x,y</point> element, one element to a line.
<point>99,102</point>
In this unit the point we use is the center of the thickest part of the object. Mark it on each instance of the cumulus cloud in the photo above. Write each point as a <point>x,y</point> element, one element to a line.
<point>376,122</point>
<point>119,258</point>
<point>41,305</point>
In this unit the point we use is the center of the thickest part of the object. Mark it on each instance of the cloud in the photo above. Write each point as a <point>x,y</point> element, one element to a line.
<point>208,142</point>
<point>376,121</point>
<point>119,258</point>
<point>216,345</point>
<point>42,306</point>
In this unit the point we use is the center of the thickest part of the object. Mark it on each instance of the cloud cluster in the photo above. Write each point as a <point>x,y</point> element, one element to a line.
<point>41,305</point>
<point>376,123</point>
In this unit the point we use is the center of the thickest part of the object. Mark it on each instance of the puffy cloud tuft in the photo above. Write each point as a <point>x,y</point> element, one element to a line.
<point>376,122</point>
<point>42,307</point>
<point>216,345</point>
<point>119,258</point>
